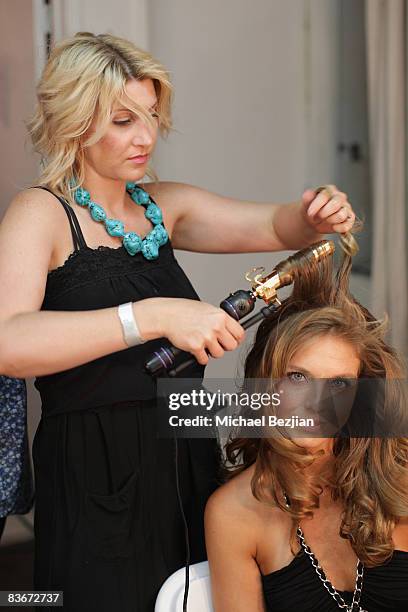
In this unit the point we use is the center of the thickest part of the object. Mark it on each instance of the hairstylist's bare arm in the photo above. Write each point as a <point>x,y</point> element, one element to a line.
<point>34,342</point>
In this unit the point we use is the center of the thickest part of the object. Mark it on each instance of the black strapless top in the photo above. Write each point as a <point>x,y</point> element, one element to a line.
<point>297,588</point>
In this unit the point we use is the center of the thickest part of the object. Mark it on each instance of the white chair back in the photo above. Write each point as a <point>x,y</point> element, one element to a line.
<point>171,594</point>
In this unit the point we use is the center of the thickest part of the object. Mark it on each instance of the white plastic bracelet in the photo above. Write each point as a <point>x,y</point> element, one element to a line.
<point>131,333</point>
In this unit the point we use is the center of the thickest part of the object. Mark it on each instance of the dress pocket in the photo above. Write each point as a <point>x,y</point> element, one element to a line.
<point>109,520</point>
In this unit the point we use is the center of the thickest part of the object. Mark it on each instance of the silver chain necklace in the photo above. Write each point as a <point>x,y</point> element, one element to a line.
<point>355,604</point>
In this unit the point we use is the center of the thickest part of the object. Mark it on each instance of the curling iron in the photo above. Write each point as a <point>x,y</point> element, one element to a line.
<point>171,361</point>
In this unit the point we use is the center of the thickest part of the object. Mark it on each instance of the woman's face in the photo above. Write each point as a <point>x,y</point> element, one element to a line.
<point>127,136</point>
<point>319,384</point>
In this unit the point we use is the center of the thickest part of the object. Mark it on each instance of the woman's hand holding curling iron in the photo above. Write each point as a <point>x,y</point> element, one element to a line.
<point>189,325</point>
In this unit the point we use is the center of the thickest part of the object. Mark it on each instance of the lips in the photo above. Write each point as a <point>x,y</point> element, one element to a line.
<point>139,157</point>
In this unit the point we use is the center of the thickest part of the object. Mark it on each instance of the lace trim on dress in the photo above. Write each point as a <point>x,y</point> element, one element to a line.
<point>87,265</point>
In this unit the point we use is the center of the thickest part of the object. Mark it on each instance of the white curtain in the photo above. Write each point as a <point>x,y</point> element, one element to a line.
<point>386,33</point>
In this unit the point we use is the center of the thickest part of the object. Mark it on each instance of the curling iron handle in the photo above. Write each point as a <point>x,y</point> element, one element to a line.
<point>237,305</point>
<point>242,304</point>
<point>176,351</point>
<point>262,314</point>
<point>245,325</point>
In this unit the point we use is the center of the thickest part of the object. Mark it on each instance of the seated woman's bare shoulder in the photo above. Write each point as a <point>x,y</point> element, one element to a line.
<point>236,525</point>
<point>235,499</point>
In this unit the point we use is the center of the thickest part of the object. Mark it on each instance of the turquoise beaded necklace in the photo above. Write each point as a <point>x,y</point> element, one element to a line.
<point>133,243</point>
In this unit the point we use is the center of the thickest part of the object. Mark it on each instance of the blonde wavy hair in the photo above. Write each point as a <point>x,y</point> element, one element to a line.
<point>84,76</point>
<point>370,475</point>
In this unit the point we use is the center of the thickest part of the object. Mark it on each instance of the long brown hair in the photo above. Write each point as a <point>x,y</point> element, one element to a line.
<point>370,475</point>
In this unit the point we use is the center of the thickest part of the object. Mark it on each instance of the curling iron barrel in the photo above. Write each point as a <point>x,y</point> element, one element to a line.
<point>242,302</point>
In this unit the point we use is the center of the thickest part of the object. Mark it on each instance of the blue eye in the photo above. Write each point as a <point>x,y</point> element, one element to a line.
<point>339,383</point>
<point>296,377</point>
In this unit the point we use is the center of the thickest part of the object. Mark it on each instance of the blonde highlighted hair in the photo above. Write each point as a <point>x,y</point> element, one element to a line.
<point>370,475</point>
<point>84,76</point>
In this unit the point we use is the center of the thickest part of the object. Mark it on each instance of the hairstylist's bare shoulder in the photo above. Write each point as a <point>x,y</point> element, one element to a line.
<point>28,232</point>
<point>34,206</point>
<point>168,192</point>
<point>172,197</point>
<point>40,212</point>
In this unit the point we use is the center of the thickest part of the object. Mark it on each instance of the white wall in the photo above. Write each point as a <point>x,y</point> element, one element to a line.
<point>127,18</point>
<point>18,167</point>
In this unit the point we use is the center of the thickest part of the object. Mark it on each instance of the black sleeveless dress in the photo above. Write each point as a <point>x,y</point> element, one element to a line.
<point>108,523</point>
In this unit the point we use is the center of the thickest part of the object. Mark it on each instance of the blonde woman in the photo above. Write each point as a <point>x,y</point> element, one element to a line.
<point>307,522</point>
<point>90,287</point>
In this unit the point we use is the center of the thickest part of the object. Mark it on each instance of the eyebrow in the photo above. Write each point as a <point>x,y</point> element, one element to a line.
<point>304,371</point>
<point>128,109</point>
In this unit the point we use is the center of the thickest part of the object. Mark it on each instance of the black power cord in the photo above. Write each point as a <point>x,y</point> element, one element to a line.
<point>186,534</point>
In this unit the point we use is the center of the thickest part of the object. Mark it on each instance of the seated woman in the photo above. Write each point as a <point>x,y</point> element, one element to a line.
<point>308,523</point>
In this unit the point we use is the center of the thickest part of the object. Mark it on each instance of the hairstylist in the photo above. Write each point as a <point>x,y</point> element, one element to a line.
<point>90,287</point>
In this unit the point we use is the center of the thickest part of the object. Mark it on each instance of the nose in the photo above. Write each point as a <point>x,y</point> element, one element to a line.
<point>144,134</point>
<point>331,406</point>
<point>312,400</point>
